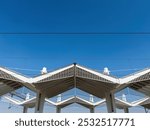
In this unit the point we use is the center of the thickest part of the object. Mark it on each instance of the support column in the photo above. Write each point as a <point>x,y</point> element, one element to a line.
<point>146,110</point>
<point>126,110</point>
<point>92,110</point>
<point>58,109</point>
<point>39,106</point>
<point>25,109</point>
<point>110,102</point>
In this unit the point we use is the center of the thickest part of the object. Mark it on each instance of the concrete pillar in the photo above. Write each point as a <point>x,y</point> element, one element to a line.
<point>39,106</point>
<point>25,109</point>
<point>110,102</point>
<point>92,110</point>
<point>146,110</point>
<point>58,109</point>
<point>126,110</point>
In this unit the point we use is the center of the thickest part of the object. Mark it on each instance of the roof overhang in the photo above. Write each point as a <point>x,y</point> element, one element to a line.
<point>120,104</point>
<point>74,76</point>
<point>145,102</point>
<point>139,81</point>
<point>10,81</point>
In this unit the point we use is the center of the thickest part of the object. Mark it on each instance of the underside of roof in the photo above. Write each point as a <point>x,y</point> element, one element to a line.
<point>77,100</point>
<point>145,103</point>
<point>146,106</point>
<point>120,104</point>
<point>75,70</point>
<point>10,81</point>
<point>7,86</point>
<point>55,87</point>
<point>142,86</point>
<point>75,76</point>
<point>29,103</point>
<point>4,75</point>
<point>139,81</point>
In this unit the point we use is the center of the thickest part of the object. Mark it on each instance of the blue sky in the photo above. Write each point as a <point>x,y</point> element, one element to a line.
<point>74,16</point>
<point>97,52</point>
<point>115,51</point>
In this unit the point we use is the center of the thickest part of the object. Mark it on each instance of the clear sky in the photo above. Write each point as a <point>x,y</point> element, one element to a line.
<point>74,15</point>
<point>115,51</point>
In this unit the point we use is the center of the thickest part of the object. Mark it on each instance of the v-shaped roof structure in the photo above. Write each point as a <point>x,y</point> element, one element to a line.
<point>71,76</point>
<point>30,103</point>
<point>66,78</point>
<point>59,81</point>
<point>139,81</point>
<point>144,102</point>
<point>10,81</point>
<point>78,100</point>
<point>75,76</point>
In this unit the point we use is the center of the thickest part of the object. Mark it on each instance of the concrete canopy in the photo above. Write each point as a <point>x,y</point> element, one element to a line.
<point>80,101</point>
<point>120,104</point>
<point>74,75</point>
<point>30,103</point>
<point>10,81</point>
<point>145,102</point>
<point>90,81</point>
<point>139,81</point>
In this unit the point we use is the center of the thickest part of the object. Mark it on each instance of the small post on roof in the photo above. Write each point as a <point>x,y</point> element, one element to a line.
<point>91,98</point>
<point>44,70</point>
<point>59,98</point>
<point>124,97</point>
<point>27,96</point>
<point>106,71</point>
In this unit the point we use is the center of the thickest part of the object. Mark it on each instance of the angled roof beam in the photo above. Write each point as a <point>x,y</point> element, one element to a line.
<point>133,76</point>
<point>107,77</point>
<point>41,77</point>
<point>14,74</point>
